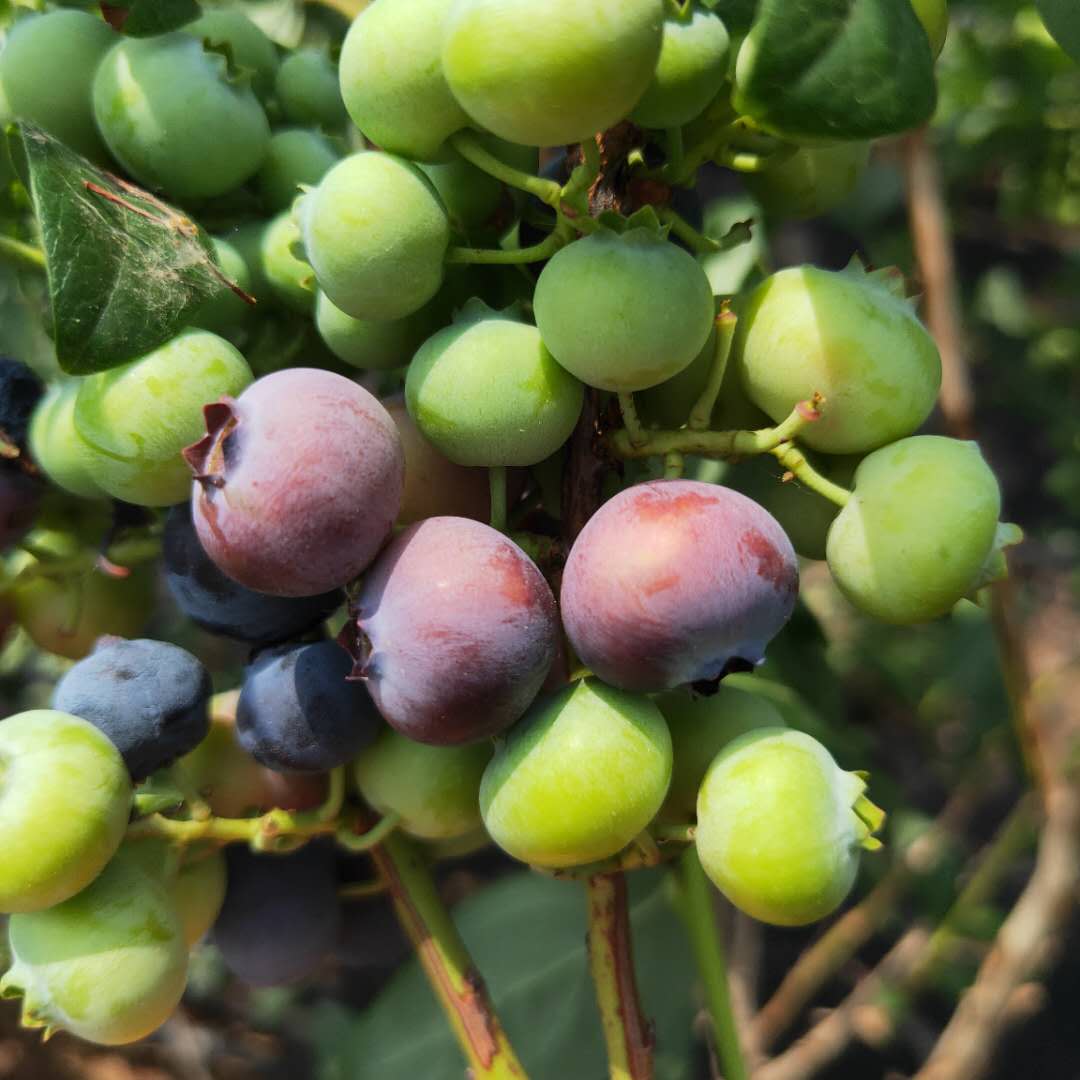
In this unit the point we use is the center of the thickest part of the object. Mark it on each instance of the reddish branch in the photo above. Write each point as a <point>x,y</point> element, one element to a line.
<point>928,215</point>
<point>628,1034</point>
<point>442,954</point>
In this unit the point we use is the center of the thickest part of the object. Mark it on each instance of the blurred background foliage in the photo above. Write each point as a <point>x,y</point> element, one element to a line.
<point>921,708</point>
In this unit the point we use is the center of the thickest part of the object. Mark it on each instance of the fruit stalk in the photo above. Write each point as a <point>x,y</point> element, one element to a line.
<point>628,1035</point>
<point>719,444</point>
<point>446,962</point>
<point>470,148</point>
<point>794,461</point>
<point>701,413</point>
<point>696,908</point>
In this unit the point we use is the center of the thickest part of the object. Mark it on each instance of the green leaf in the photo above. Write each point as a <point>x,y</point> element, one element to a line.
<point>737,15</point>
<point>527,936</point>
<point>1062,18</point>
<point>125,270</point>
<point>143,18</point>
<point>835,69</point>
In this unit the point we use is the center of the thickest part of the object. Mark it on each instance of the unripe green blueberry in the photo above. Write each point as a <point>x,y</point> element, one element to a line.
<point>252,52</point>
<point>485,391</point>
<point>623,311</point>
<point>171,114</point>
<point>780,827</point>
<point>137,418</point>
<point>55,444</point>
<point>392,78</point>
<point>110,964</point>
<point>199,891</point>
<point>701,726</point>
<point>308,90</point>
<point>291,280</point>
<point>814,180</point>
<point>561,78</point>
<point>918,530</point>
<point>578,777</point>
<point>848,336</point>
<point>376,234</point>
<point>65,798</point>
<point>370,344</point>
<point>691,70</point>
<point>225,313</point>
<point>435,789</point>
<point>46,70</point>
<point>295,156</point>
<point>66,614</point>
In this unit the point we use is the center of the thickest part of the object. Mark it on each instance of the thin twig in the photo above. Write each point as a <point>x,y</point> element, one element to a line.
<point>930,234</point>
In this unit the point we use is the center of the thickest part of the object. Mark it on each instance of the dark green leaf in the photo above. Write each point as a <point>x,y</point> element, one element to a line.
<point>737,14</point>
<point>1062,18</point>
<point>835,69</point>
<point>125,270</point>
<point>527,936</point>
<point>142,18</point>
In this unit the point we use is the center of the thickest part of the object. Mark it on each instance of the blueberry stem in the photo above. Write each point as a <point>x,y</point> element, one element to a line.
<point>353,839</point>
<point>446,962</point>
<point>468,145</point>
<point>798,468</point>
<point>701,413</point>
<point>694,239</point>
<point>506,256</point>
<point>635,430</point>
<point>696,907</point>
<point>627,1033</point>
<point>717,444</point>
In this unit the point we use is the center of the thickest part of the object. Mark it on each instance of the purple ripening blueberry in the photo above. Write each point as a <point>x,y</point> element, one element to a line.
<point>297,483</point>
<point>674,582</point>
<point>454,631</point>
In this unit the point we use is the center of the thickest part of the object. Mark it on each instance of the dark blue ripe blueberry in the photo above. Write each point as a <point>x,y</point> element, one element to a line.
<point>222,606</point>
<point>20,391</point>
<point>281,915</point>
<point>19,498</point>
<point>20,490</point>
<point>150,698</point>
<point>297,711</point>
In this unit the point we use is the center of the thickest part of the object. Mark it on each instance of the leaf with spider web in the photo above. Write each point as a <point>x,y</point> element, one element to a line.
<point>125,270</point>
